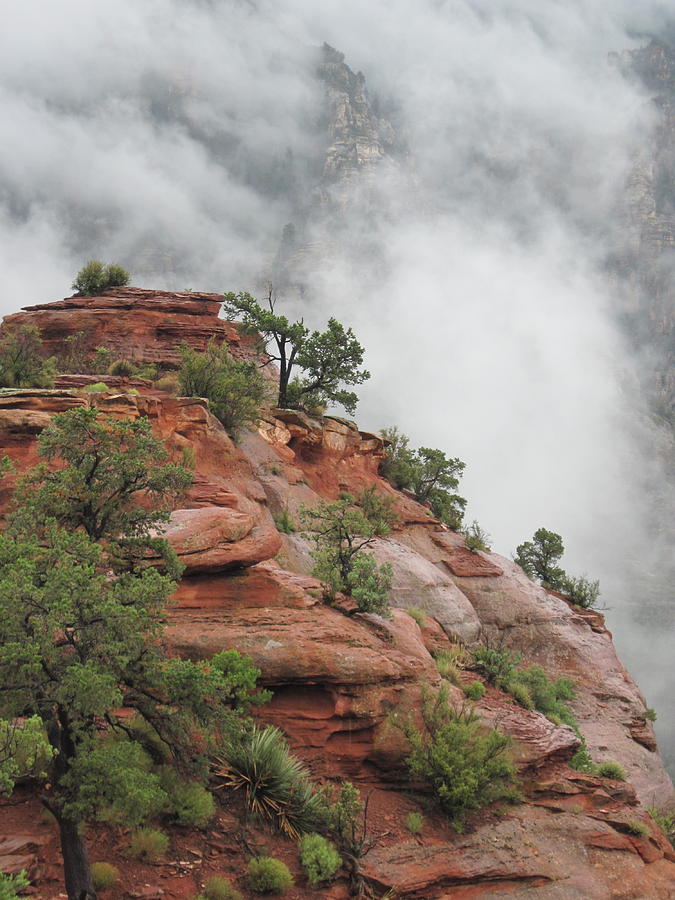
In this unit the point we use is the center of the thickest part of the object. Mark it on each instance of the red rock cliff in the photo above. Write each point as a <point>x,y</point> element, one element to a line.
<point>336,679</point>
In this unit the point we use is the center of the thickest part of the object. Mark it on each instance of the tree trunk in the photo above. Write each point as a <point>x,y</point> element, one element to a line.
<point>79,884</point>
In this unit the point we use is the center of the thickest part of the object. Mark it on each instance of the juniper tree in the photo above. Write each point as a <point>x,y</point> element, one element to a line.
<point>342,531</point>
<point>329,359</point>
<point>539,557</point>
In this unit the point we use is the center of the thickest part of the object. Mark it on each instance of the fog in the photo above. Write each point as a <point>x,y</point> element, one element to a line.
<point>178,138</point>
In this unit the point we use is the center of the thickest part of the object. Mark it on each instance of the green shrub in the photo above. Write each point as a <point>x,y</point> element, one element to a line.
<point>148,844</point>
<point>189,458</point>
<point>22,361</point>
<point>267,875</point>
<point>11,885</point>
<point>344,818</point>
<point>95,277</point>
<point>276,785</point>
<point>147,371</point>
<point>475,690</point>
<point>117,784</point>
<point>548,696</point>
<point>104,875</point>
<point>235,390</point>
<point>429,474</point>
<point>284,522</point>
<point>639,829</point>
<point>418,615</point>
<point>98,388</point>
<point>650,714</point>
<point>539,558</point>
<point>582,761</point>
<point>498,666</point>
<point>665,820</point>
<point>521,694</point>
<point>100,361</point>
<point>475,538</point>
<point>611,769</point>
<point>369,584</point>
<point>319,858</point>
<point>168,383</point>
<point>414,822</point>
<point>465,765</point>
<point>218,888</point>
<point>446,663</point>
<point>342,531</point>
<point>123,368</point>
<point>190,804</point>
<point>581,591</point>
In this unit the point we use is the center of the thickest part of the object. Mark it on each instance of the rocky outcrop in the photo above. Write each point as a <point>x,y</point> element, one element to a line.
<point>141,325</point>
<point>358,137</point>
<point>647,261</point>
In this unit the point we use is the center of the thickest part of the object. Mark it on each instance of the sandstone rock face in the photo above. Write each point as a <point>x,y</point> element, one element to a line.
<point>342,680</point>
<point>141,325</point>
<point>215,539</point>
<point>530,854</point>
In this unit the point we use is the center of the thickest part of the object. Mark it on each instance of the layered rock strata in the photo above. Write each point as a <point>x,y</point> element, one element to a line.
<point>343,683</point>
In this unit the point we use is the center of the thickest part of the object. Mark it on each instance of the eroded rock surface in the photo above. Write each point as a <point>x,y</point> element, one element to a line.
<point>341,682</point>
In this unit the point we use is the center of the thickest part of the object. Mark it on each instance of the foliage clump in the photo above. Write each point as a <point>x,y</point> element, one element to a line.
<point>22,360</point>
<point>637,828</point>
<point>611,769</point>
<point>665,820</point>
<point>235,390</point>
<point>431,476</point>
<point>11,886</point>
<point>414,822</point>
<point>25,752</point>
<point>284,522</point>
<point>319,858</point>
<point>476,538</point>
<point>219,888</point>
<point>466,765</point>
<point>498,666</point>
<point>189,803</point>
<point>548,696</point>
<point>267,875</point>
<point>276,785</point>
<point>95,277</point>
<point>104,875</point>
<point>345,819</point>
<point>418,615</point>
<point>330,359</point>
<point>148,844</point>
<point>342,531</point>
<point>539,559</point>
<point>475,690</point>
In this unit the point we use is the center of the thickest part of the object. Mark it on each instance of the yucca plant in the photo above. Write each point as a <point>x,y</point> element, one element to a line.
<point>276,785</point>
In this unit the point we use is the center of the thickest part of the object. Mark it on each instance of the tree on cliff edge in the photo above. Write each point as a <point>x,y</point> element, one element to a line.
<point>80,631</point>
<point>330,359</point>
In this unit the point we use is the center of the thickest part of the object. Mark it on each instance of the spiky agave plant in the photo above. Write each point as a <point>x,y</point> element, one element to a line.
<point>275,783</point>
